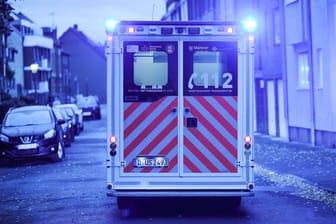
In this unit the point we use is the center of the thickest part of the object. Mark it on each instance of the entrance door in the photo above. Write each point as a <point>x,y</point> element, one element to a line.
<point>210,105</point>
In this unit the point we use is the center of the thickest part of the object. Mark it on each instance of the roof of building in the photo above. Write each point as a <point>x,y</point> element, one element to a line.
<point>98,48</point>
<point>22,16</point>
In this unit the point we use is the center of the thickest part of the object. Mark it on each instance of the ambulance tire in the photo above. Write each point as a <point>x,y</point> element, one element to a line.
<point>125,206</point>
<point>235,202</point>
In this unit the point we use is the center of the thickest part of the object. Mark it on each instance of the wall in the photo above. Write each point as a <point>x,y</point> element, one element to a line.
<point>86,63</point>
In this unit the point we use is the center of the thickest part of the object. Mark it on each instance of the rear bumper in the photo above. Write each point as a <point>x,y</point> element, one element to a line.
<point>91,114</point>
<point>180,193</point>
<point>43,150</point>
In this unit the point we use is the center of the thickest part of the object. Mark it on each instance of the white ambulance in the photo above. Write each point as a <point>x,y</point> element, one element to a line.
<point>179,109</point>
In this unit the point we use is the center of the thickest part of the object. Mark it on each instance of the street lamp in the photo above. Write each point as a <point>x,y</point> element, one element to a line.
<point>34,68</point>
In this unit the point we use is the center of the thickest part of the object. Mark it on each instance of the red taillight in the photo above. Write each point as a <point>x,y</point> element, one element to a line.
<point>113,139</point>
<point>248,141</point>
<point>109,38</point>
<point>113,145</point>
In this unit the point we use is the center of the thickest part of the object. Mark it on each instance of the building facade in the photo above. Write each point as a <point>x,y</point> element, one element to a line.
<point>29,47</point>
<point>270,74</point>
<point>67,66</point>
<point>310,54</point>
<point>294,69</point>
<point>15,62</point>
<point>62,85</point>
<point>88,62</point>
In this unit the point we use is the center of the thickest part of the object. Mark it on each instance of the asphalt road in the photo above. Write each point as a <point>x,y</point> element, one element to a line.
<point>73,191</point>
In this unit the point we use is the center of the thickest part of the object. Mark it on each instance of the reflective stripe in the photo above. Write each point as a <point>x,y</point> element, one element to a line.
<point>151,129</point>
<point>212,146</point>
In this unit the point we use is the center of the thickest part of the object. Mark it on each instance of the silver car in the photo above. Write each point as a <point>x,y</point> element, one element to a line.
<point>78,119</point>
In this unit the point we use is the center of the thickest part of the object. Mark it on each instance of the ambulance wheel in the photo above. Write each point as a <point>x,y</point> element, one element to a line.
<point>125,206</point>
<point>235,202</point>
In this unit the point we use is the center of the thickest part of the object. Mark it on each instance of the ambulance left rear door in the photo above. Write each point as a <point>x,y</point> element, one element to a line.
<point>149,109</point>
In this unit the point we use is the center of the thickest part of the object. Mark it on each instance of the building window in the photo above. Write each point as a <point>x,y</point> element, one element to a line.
<point>319,77</point>
<point>276,26</point>
<point>287,2</point>
<point>184,10</point>
<point>267,25</point>
<point>334,20</point>
<point>11,54</point>
<point>303,70</point>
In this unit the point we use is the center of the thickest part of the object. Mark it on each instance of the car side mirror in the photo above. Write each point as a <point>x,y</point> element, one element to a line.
<point>60,121</point>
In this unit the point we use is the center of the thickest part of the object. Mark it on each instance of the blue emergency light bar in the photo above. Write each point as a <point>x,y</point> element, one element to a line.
<point>178,27</point>
<point>250,24</point>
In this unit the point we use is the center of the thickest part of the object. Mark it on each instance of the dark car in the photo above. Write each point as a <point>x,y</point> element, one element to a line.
<point>68,135</point>
<point>90,106</point>
<point>76,114</point>
<point>31,132</point>
<point>69,118</point>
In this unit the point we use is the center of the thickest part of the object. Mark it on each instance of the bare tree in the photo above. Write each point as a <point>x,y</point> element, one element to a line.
<point>5,20</point>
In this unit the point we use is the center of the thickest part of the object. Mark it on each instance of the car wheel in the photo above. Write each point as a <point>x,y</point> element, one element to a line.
<point>59,155</point>
<point>67,144</point>
<point>72,135</point>
<point>78,129</point>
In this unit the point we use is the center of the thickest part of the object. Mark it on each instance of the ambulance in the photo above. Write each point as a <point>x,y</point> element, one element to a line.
<point>179,109</point>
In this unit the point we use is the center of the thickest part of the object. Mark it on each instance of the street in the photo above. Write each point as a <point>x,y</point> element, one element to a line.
<point>73,191</point>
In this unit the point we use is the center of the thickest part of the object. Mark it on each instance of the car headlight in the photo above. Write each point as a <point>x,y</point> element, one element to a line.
<point>4,138</point>
<point>50,134</point>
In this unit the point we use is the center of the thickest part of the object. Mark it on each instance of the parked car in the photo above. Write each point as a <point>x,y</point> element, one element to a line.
<point>77,114</point>
<point>90,106</point>
<point>68,134</point>
<point>31,132</point>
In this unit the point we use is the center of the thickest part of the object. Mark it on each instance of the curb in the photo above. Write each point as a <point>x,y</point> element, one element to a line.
<point>304,188</point>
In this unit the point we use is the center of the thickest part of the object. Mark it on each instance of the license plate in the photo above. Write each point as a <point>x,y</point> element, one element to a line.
<point>141,162</point>
<point>27,146</point>
<point>86,113</point>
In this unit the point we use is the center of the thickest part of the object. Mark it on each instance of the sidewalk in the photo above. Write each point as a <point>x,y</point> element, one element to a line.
<point>316,165</point>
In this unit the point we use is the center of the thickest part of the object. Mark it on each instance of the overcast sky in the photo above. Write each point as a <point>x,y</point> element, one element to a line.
<point>89,15</point>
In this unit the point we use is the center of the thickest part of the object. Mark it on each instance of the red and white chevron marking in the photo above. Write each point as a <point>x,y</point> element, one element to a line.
<point>150,129</point>
<point>212,146</point>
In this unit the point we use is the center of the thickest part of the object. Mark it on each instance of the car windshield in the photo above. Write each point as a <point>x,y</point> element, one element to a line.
<point>69,111</point>
<point>58,114</point>
<point>87,102</point>
<point>24,118</point>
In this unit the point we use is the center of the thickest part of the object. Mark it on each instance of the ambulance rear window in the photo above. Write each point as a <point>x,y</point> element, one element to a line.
<point>151,69</point>
<point>210,68</point>
<point>210,64</point>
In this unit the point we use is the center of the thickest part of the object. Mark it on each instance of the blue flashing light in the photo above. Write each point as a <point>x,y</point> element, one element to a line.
<point>249,25</point>
<point>110,25</point>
